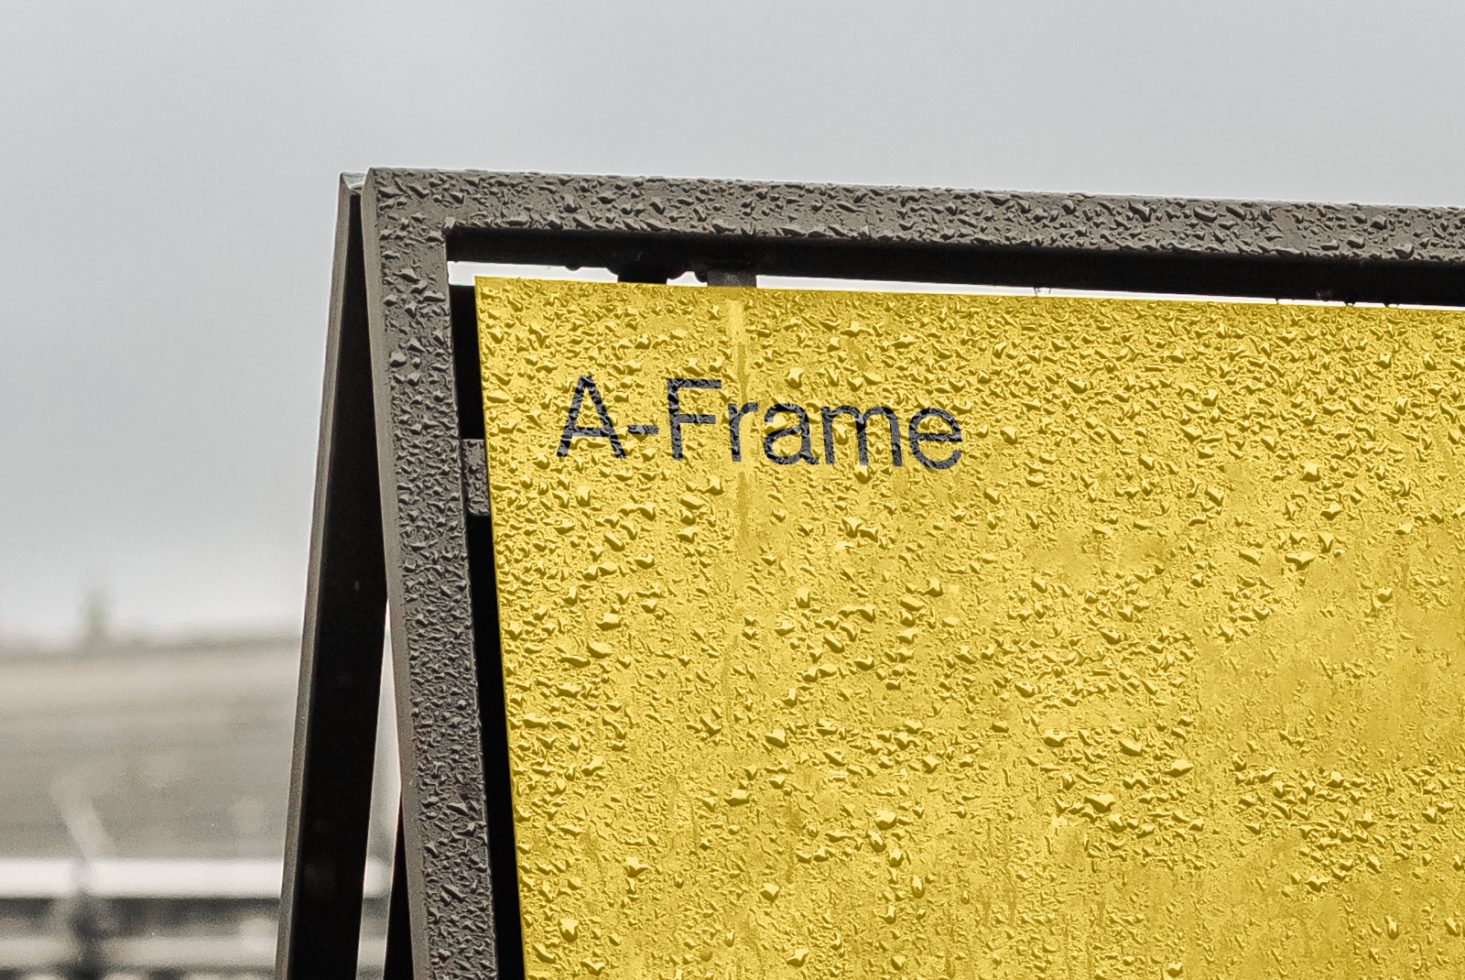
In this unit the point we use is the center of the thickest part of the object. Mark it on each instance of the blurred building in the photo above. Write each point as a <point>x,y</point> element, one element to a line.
<point>143,792</point>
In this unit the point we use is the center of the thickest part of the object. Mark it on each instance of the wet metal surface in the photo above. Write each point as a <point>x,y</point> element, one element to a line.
<point>413,222</point>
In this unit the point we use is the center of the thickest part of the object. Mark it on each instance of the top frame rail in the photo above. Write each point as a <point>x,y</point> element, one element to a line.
<point>662,226</point>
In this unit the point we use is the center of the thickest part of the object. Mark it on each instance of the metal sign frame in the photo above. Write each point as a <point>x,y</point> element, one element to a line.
<point>401,509</point>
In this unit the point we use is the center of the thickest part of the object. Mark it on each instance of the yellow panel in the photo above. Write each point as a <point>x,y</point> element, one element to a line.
<point>1161,679</point>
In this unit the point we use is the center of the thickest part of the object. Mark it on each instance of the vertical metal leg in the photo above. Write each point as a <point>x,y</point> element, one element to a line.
<point>340,671</point>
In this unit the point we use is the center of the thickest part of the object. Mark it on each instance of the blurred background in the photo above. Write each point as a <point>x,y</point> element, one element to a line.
<point>167,192</point>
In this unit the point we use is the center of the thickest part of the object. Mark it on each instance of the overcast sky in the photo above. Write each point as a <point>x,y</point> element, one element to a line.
<point>167,192</point>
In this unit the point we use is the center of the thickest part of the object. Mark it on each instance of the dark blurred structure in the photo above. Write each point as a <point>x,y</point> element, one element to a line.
<point>142,807</point>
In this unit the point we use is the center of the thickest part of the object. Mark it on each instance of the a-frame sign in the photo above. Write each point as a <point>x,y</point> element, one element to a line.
<point>866,634</point>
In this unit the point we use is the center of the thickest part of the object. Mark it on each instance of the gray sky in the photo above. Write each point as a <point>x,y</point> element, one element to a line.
<point>167,186</point>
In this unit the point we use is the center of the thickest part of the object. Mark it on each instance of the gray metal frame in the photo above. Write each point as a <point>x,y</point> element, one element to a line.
<point>458,838</point>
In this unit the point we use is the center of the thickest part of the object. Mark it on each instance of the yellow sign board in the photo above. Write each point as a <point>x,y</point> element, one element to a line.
<point>866,634</point>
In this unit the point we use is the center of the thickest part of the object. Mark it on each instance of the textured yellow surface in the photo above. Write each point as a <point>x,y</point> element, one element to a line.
<point>1162,679</point>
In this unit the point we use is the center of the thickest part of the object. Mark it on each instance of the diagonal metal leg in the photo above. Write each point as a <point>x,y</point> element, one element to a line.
<point>398,965</point>
<point>341,657</point>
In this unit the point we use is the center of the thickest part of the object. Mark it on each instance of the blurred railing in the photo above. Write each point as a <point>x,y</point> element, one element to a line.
<point>154,919</point>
